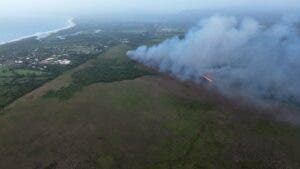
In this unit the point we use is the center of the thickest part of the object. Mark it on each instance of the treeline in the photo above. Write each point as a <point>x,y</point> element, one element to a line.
<point>104,70</point>
<point>12,88</point>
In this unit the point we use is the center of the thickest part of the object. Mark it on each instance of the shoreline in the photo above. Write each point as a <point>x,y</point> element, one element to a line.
<point>41,35</point>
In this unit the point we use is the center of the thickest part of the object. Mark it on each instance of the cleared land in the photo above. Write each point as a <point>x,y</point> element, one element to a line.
<point>137,120</point>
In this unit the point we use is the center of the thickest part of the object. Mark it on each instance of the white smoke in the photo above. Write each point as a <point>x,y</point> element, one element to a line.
<point>242,57</point>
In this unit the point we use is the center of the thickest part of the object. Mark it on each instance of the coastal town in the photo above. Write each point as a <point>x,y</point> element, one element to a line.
<point>28,63</point>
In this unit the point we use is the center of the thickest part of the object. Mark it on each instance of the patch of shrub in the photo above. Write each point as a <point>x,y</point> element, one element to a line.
<point>104,70</point>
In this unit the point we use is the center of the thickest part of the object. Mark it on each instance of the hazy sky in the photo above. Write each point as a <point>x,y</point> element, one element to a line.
<point>71,7</point>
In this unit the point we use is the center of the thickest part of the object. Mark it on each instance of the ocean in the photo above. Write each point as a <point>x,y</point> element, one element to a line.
<point>13,29</point>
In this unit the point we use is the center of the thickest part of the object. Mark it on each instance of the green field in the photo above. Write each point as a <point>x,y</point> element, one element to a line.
<point>111,113</point>
<point>16,82</point>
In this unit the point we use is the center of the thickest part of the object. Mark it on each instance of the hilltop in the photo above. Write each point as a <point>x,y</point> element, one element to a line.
<point>111,112</point>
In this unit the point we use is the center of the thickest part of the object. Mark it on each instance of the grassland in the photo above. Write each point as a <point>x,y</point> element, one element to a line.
<point>137,120</point>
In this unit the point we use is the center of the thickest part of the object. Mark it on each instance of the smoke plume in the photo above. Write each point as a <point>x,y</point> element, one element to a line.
<point>242,57</point>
